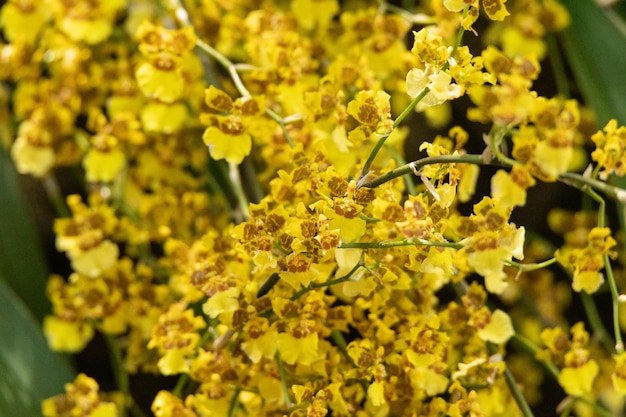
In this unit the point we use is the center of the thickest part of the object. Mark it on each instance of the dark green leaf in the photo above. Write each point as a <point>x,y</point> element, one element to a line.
<point>595,45</point>
<point>21,259</point>
<point>29,370</point>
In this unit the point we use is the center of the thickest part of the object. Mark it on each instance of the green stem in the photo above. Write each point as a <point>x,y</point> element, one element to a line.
<point>558,69</point>
<point>409,183</point>
<point>340,341</point>
<point>180,385</point>
<point>415,18</point>
<point>53,191</point>
<point>410,107</point>
<point>578,181</point>
<point>529,347</point>
<point>251,180</point>
<point>513,386</point>
<point>619,343</point>
<point>283,381</point>
<point>517,394</point>
<point>595,321</point>
<point>268,285</point>
<point>597,407</point>
<point>416,165</point>
<point>233,402</point>
<point>283,126</point>
<point>315,285</point>
<point>459,38</point>
<point>531,267</point>
<point>119,372</point>
<point>496,139</point>
<point>181,14</point>
<point>235,179</point>
<point>370,159</point>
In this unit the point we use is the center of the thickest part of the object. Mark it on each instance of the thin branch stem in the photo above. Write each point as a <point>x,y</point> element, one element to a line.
<point>283,381</point>
<point>119,372</point>
<point>595,321</point>
<point>529,347</point>
<point>315,285</point>
<point>416,165</point>
<point>619,343</point>
<point>53,191</point>
<point>233,402</point>
<point>229,66</point>
<point>235,179</point>
<point>514,387</point>
<point>410,107</point>
<point>533,266</point>
<point>180,385</point>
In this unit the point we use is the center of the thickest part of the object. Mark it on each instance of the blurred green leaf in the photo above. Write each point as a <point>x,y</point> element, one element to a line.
<point>21,259</point>
<point>595,45</point>
<point>29,370</point>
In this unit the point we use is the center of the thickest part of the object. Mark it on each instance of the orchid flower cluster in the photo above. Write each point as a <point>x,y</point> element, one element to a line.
<point>250,225</point>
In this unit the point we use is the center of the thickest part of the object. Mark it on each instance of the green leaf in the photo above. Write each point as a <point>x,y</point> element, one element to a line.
<point>595,44</point>
<point>29,370</point>
<point>21,259</point>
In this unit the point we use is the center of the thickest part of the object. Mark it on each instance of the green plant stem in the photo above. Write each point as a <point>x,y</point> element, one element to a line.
<point>370,159</point>
<point>283,381</point>
<point>251,180</point>
<point>595,321</point>
<point>558,69</point>
<point>578,181</point>
<point>315,285</point>
<point>183,18</point>
<point>530,348</point>
<point>417,19</point>
<point>233,402</point>
<point>409,183</point>
<point>513,386</point>
<point>410,107</point>
<point>416,165</point>
<point>53,191</point>
<point>533,266</point>
<point>235,179</point>
<point>459,38</point>
<point>610,277</point>
<point>119,372</point>
<point>180,385</point>
<point>241,88</point>
<point>496,139</point>
<point>517,394</point>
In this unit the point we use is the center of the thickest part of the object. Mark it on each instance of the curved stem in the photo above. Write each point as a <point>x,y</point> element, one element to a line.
<point>410,107</point>
<point>595,321</point>
<point>610,277</point>
<point>119,372</point>
<point>533,266</point>
<point>229,66</point>
<point>529,347</point>
<point>235,179</point>
<point>180,385</point>
<point>315,285</point>
<point>416,165</point>
<point>283,381</point>
<point>53,191</point>
<point>233,402</point>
